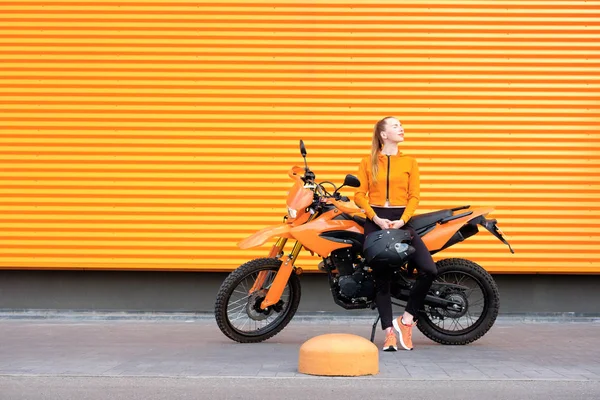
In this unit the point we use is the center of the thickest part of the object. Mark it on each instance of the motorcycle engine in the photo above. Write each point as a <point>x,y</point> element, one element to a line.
<point>353,281</point>
<point>356,285</point>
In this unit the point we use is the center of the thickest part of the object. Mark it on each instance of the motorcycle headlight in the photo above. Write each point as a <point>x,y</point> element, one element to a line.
<point>292,212</point>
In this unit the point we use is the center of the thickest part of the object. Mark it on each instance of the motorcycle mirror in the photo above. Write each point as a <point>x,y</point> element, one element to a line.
<point>351,181</point>
<point>302,148</point>
<point>307,172</point>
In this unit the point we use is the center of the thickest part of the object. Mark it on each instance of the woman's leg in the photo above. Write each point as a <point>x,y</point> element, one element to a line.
<point>426,273</point>
<point>381,277</point>
<point>383,298</point>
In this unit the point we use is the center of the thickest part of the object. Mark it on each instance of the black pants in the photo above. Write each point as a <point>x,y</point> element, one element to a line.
<point>421,258</point>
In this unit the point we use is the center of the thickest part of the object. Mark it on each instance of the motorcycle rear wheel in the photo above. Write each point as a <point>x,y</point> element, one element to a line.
<point>459,328</point>
<point>237,310</point>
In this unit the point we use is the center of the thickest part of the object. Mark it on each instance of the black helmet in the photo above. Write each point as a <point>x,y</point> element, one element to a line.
<point>387,247</point>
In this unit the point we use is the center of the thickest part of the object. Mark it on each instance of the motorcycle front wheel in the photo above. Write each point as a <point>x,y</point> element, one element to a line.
<point>237,308</point>
<point>472,287</point>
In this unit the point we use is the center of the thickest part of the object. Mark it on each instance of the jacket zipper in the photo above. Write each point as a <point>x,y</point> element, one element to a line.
<point>387,191</point>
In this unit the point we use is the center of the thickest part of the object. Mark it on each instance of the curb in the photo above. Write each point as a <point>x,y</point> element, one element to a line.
<point>312,317</point>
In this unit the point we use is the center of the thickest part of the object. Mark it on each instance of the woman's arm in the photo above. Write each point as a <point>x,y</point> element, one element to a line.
<point>360,197</point>
<point>414,192</point>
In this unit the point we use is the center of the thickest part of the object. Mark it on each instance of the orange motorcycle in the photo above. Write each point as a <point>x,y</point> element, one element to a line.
<point>258,299</point>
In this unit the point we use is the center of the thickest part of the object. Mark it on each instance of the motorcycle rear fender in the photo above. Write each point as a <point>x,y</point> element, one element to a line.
<point>261,237</point>
<point>437,238</point>
<point>490,225</point>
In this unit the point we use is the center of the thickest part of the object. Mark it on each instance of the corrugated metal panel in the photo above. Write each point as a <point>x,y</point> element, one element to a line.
<point>158,134</point>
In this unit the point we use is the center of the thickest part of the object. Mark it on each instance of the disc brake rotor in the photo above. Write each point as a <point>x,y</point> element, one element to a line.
<point>253,306</point>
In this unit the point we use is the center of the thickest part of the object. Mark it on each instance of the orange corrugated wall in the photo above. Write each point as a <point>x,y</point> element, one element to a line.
<point>156,134</point>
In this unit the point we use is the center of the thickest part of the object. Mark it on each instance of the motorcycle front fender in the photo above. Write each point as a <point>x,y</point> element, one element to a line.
<point>261,237</point>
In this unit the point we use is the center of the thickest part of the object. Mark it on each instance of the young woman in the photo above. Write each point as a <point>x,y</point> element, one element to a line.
<point>389,194</point>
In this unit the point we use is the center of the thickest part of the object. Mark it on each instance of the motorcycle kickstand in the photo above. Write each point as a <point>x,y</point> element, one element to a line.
<point>377,320</point>
<point>374,327</point>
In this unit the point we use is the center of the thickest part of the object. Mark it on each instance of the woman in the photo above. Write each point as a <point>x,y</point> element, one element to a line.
<point>389,194</point>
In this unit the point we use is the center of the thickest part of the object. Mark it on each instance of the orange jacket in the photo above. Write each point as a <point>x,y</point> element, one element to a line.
<point>399,185</point>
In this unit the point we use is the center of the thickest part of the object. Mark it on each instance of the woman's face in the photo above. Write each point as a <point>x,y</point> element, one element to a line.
<point>393,131</point>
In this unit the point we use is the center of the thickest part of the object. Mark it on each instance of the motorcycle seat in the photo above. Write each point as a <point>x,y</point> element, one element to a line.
<point>426,219</point>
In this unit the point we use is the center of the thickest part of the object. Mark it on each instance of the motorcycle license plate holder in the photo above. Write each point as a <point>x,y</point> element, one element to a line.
<point>490,225</point>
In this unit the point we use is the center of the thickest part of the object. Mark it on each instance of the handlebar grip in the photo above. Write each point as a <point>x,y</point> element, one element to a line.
<point>344,198</point>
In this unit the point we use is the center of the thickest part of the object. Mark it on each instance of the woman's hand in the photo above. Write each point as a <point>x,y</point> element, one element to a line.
<point>397,224</point>
<point>382,223</point>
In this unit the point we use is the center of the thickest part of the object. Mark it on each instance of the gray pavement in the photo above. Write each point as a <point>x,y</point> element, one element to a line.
<point>539,351</point>
<point>216,388</point>
<point>70,355</point>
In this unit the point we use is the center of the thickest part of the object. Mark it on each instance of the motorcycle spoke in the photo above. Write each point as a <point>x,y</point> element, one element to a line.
<point>270,319</point>
<point>245,322</point>
<point>470,316</point>
<point>453,324</point>
<point>243,284</point>
<point>242,293</point>
<point>477,303</point>
<point>238,316</point>
<point>270,279</point>
<point>459,324</point>
<point>238,300</point>
<point>236,308</point>
<point>233,307</point>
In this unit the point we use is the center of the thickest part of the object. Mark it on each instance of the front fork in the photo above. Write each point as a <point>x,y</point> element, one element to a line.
<point>262,275</point>
<point>283,275</point>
